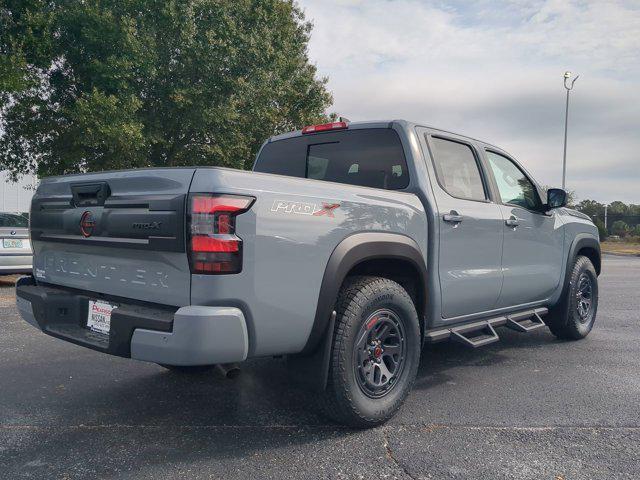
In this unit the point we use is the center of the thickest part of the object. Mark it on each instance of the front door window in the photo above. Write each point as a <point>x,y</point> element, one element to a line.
<point>514,186</point>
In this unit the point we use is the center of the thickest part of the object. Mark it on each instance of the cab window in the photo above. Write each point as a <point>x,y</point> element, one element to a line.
<point>367,157</point>
<point>457,169</point>
<point>514,186</point>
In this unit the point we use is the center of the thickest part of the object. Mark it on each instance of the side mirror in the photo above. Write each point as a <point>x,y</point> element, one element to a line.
<point>556,198</point>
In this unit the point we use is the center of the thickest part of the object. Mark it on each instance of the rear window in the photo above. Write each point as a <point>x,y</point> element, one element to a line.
<point>13,221</point>
<point>370,158</point>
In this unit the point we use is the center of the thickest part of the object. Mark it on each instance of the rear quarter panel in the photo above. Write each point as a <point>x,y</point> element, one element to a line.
<point>288,236</point>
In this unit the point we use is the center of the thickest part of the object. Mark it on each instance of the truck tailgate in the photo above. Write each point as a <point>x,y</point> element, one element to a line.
<point>115,233</point>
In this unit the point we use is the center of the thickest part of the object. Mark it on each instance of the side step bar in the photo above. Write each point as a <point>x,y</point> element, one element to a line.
<point>524,322</point>
<point>480,333</point>
<point>474,336</point>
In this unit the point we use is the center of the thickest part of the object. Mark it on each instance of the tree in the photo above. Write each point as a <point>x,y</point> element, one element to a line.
<point>618,208</point>
<point>602,232</point>
<point>110,84</point>
<point>634,209</point>
<point>591,208</point>
<point>619,228</point>
<point>571,198</point>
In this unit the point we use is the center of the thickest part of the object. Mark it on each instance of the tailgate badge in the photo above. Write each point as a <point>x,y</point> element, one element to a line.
<point>146,225</point>
<point>87,224</point>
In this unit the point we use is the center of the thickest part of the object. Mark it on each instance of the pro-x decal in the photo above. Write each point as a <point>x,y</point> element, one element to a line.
<point>303,208</point>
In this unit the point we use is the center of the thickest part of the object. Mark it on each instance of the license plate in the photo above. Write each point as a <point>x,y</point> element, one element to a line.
<point>12,243</point>
<point>99,319</point>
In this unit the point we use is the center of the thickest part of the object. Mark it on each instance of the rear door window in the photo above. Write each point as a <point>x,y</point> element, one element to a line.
<point>457,169</point>
<point>368,157</point>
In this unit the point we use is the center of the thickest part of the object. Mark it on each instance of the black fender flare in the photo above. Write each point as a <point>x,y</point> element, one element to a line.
<point>350,252</point>
<point>580,241</point>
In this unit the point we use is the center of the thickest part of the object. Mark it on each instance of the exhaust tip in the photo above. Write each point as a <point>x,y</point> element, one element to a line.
<point>228,370</point>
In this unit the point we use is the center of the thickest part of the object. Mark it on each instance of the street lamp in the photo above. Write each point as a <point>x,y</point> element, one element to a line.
<point>568,87</point>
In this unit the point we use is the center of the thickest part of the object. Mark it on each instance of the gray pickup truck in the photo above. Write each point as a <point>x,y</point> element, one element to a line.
<point>348,247</point>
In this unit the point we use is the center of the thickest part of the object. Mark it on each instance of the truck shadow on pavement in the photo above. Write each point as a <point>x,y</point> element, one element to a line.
<point>440,358</point>
<point>264,395</point>
<point>160,417</point>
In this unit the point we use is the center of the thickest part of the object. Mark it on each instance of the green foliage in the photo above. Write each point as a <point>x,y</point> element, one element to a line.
<point>591,208</point>
<point>619,228</point>
<point>601,230</point>
<point>571,198</point>
<point>624,219</point>
<point>109,84</point>
<point>618,207</point>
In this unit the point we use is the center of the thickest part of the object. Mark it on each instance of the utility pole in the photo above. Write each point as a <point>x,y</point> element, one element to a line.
<point>605,216</point>
<point>568,87</point>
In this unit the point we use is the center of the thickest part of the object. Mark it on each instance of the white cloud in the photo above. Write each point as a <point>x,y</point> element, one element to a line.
<point>493,70</point>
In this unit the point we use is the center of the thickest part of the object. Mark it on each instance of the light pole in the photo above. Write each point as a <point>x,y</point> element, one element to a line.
<point>568,87</point>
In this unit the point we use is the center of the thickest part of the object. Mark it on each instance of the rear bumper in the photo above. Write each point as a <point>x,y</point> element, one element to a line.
<point>15,263</point>
<point>200,336</point>
<point>191,335</point>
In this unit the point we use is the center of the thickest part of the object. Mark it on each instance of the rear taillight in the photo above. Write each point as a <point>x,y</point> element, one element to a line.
<point>214,247</point>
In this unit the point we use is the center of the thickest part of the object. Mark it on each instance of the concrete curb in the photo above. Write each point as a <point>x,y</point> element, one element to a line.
<point>618,254</point>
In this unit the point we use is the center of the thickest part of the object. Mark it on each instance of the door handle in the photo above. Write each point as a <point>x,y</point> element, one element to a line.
<point>452,217</point>
<point>512,222</point>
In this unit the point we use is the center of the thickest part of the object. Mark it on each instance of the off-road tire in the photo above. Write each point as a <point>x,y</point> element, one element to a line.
<point>344,399</point>
<point>564,319</point>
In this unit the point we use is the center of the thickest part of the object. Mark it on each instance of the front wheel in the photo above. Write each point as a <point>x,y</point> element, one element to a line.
<point>375,354</point>
<point>575,314</point>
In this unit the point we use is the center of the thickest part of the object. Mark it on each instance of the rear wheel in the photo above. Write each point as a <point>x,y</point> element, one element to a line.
<point>375,354</point>
<point>574,316</point>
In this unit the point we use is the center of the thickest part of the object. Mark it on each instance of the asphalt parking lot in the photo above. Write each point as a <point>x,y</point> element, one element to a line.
<point>529,407</point>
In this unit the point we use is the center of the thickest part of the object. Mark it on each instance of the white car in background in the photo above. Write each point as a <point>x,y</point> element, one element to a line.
<point>15,248</point>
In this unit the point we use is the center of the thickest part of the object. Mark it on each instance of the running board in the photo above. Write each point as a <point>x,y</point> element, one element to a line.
<point>524,322</point>
<point>482,332</point>
<point>475,336</point>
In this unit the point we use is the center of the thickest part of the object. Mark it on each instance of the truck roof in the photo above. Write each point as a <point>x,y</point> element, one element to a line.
<point>385,124</point>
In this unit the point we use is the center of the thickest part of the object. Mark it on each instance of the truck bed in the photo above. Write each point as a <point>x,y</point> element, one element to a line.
<point>137,247</point>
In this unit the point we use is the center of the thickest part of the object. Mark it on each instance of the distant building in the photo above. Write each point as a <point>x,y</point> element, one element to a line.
<point>16,196</point>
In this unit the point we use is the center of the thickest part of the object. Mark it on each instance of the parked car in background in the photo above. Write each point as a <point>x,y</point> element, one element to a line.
<point>15,248</point>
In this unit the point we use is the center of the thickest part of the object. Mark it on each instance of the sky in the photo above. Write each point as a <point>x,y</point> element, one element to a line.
<point>493,70</point>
